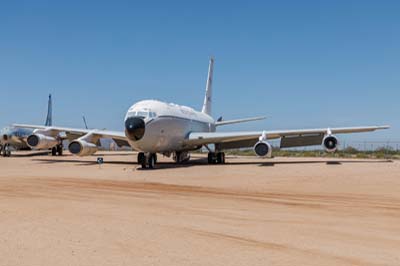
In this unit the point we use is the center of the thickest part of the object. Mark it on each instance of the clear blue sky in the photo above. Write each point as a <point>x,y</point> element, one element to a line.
<point>304,63</point>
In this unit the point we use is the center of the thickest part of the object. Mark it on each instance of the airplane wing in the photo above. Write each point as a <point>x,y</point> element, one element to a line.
<point>74,133</point>
<point>289,138</point>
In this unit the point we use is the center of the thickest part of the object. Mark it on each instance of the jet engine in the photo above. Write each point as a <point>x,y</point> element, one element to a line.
<point>82,148</point>
<point>40,141</point>
<point>263,149</point>
<point>330,143</point>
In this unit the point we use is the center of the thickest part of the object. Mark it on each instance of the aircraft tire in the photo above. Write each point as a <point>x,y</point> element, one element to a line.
<point>220,157</point>
<point>178,157</point>
<point>212,158</point>
<point>53,151</point>
<point>60,150</point>
<point>6,151</point>
<point>155,158</point>
<point>141,158</point>
<point>152,161</point>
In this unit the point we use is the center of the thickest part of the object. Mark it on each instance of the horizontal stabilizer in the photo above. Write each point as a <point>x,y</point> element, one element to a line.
<point>237,121</point>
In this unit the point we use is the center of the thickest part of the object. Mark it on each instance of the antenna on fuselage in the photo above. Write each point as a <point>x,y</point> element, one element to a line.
<point>208,97</point>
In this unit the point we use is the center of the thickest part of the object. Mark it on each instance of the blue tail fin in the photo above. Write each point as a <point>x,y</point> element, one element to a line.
<point>84,121</point>
<point>49,119</point>
<point>208,98</point>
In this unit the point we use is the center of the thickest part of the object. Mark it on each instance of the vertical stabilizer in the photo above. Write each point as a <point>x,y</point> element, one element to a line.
<point>49,119</point>
<point>84,121</point>
<point>208,98</point>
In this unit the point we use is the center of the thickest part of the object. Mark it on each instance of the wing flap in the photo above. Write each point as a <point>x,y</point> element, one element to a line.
<point>300,141</point>
<point>237,144</point>
<point>121,143</point>
<point>197,139</point>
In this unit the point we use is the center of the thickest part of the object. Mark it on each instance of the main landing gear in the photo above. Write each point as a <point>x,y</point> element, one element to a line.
<point>57,150</point>
<point>5,150</point>
<point>216,157</point>
<point>147,160</point>
<point>181,157</point>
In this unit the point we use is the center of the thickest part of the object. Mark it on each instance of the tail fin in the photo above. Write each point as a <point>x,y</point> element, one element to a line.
<point>49,119</point>
<point>208,98</point>
<point>84,121</point>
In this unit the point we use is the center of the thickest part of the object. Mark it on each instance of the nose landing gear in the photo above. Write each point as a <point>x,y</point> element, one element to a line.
<point>147,160</point>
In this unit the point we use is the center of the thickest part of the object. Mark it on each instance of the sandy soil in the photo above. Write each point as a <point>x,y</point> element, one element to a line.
<point>70,211</point>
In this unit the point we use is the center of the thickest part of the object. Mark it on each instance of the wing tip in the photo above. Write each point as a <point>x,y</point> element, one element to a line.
<point>383,127</point>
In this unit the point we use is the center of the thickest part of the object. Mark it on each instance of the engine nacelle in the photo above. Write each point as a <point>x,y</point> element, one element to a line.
<point>40,141</point>
<point>263,149</point>
<point>330,143</point>
<point>82,148</point>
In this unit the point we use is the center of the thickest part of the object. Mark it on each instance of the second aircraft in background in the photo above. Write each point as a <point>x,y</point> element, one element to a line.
<point>17,138</point>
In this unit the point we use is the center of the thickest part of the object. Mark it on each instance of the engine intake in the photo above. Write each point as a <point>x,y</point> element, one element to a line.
<point>39,141</point>
<point>82,148</point>
<point>330,143</point>
<point>263,149</point>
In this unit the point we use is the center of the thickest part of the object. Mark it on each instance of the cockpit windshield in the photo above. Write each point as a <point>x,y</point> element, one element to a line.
<point>143,114</point>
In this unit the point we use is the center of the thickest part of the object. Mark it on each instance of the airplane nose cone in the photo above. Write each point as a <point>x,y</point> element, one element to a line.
<point>134,128</point>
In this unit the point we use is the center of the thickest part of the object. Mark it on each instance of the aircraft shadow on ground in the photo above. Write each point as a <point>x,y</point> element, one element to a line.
<point>115,154</point>
<point>32,154</point>
<point>55,161</point>
<point>203,161</point>
<point>328,162</point>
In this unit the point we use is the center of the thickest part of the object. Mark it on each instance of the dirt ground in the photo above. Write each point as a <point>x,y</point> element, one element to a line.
<point>283,211</point>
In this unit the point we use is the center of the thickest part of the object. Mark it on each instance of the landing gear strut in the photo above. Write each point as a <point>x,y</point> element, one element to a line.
<point>57,150</point>
<point>60,150</point>
<point>147,160</point>
<point>181,157</point>
<point>216,157</point>
<point>5,150</point>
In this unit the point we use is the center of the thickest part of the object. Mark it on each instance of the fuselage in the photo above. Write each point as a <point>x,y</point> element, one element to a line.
<point>166,126</point>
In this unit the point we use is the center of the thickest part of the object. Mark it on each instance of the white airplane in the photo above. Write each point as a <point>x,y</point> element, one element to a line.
<point>153,127</point>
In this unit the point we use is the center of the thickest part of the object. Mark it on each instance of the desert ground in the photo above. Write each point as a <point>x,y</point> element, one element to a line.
<point>282,211</point>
